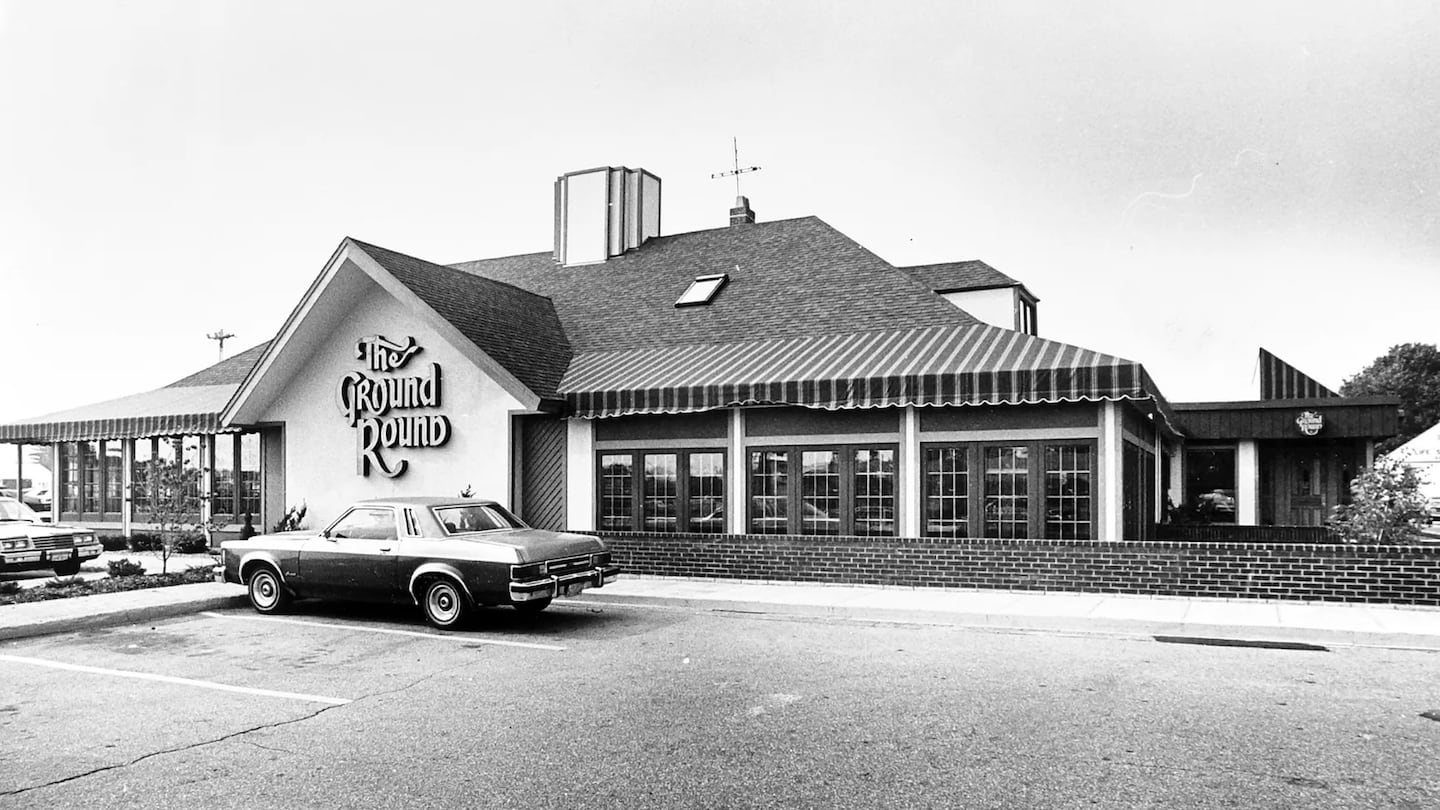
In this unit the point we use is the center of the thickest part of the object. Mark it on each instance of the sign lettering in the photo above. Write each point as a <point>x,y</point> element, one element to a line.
<point>366,401</point>
<point>1310,422</point>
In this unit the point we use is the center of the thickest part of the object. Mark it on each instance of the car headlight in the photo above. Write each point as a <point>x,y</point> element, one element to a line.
<point>599,560</point>
<point>15,544</point>
<point>530,571</point>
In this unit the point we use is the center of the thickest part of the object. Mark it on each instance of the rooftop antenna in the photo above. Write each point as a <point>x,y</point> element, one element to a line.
<point>737,171</point>
<point>220,336</point>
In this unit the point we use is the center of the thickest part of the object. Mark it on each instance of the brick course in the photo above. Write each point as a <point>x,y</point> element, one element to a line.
<point>1326,572</point>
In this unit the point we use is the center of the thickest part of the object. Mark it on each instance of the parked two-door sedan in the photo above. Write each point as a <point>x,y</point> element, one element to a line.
<point>446,555</point>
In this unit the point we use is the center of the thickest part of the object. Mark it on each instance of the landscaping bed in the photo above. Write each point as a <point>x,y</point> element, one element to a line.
<point>66,587</point>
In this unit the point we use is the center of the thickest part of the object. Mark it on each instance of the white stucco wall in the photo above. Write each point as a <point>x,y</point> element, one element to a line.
<point>995,307</point>
<point>321,447</point>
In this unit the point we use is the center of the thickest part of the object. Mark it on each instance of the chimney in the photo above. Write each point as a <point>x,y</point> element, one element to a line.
<point>601,213</point>
<point>741,214</point>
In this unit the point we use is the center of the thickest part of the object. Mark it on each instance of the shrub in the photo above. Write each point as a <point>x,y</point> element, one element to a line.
<point>125,568</point>
<point>113,542</point>
<point>63,582</point>
<point>9,588</point>
<point>191,543</point>
<point>1385,505</point>
<point>294,519</point>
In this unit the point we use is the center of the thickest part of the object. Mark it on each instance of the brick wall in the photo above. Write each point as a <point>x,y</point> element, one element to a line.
<point>1338,573</point>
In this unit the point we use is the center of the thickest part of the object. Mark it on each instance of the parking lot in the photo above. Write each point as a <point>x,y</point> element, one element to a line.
<point>590,703</point>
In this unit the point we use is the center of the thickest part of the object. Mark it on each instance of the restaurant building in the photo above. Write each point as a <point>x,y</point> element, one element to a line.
<point>762,378</point>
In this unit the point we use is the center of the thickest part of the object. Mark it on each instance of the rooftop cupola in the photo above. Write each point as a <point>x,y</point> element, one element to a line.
<point>600,213</point>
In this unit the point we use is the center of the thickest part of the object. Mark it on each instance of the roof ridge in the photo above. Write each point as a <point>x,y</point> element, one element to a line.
<point>455,269</point>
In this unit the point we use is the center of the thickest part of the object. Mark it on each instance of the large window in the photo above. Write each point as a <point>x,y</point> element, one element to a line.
<point>1210,483</point>
<point>235,478</point>
<point>91,480</point>
<point>662,491</point>
<point>844,489</point>
<point>1009,490</point>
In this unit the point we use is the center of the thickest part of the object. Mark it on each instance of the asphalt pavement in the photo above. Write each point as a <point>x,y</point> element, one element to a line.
<point>1249,620</point>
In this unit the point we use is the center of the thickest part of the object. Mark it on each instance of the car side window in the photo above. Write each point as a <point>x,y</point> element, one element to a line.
<point>366,523</point>
<point>412,524</point>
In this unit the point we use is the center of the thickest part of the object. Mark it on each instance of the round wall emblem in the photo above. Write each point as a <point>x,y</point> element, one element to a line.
<point>1310,422</point>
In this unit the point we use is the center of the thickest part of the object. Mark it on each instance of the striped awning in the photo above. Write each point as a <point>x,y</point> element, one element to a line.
<point>946,365</point>
<point>163,412</point>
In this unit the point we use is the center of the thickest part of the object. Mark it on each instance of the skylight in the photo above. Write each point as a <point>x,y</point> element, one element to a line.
<point>702,289</point>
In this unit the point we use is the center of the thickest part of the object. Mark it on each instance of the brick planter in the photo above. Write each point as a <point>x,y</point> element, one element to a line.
<point>1334,573</point>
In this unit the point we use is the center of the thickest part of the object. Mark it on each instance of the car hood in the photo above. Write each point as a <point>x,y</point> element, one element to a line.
<point>36,531</point>
<point>534,545</point>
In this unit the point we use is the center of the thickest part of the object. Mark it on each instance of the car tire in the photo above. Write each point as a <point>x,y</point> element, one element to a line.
<point>68,568</point>
<point>267,593</point>
<point>444,604</point>
<point>533,606</point>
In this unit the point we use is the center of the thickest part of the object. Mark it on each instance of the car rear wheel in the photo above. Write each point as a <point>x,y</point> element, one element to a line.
<point>532,606</point>
<point>267,595</point>
<point>444,604</point>
<point>67,569</point>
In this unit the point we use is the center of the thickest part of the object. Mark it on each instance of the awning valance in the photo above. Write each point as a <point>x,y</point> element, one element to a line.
<point>163,412</point>
<point>960,365</point>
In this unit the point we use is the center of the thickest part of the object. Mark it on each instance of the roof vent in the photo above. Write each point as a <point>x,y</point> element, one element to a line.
<point>702,290</point>
<point>600,213</point>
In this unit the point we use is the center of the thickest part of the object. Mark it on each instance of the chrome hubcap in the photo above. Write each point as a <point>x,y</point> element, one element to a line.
<point>442,603</point>
<point>264,590</point>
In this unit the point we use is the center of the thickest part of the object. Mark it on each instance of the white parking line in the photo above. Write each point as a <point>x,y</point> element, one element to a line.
<point>432,636</point>
<point>146,676</point>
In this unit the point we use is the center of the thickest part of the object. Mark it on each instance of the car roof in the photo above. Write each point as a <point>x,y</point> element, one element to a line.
<point>426,501</point>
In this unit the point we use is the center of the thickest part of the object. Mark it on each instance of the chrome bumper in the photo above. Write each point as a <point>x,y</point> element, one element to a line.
<point>564,585</point>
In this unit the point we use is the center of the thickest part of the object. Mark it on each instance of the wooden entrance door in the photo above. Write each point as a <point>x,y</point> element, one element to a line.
<point>1307,487</point>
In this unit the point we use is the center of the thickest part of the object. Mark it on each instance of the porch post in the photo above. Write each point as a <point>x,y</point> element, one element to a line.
<point>1247,483</point>
<point>735,507</point>
<point>908,501</point>
<point>580,474</point>
<point>1112,481</point>
<point>127,484</point>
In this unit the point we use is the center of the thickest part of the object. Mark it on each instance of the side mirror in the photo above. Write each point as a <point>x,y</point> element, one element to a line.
<point>326,534</point>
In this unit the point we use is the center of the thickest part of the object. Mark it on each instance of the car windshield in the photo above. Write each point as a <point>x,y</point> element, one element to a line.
<point>11,509</point>
<point>480,517</point>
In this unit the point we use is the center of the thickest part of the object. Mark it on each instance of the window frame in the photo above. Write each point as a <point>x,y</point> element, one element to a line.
<point>795,490</point>
<point>636,496</point>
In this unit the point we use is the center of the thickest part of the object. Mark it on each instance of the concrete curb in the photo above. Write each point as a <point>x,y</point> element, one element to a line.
<point>48,617</point>
<point>1020,623</point>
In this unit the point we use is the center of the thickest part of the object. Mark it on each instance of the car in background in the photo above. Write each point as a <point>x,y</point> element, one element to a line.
<point>1432,509</point>
<point>447,555</point>
<point>27,542</point>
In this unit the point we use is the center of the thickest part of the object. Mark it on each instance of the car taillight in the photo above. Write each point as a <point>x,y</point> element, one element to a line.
<point>531,571</point>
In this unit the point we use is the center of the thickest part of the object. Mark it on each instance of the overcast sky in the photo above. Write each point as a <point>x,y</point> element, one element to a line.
<point>1179,187</point>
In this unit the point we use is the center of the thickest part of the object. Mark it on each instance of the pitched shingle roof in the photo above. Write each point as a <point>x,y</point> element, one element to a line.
<point>519,329</point>
<point>230,371</point>
<point>955,276</point>
<point>789,278</point>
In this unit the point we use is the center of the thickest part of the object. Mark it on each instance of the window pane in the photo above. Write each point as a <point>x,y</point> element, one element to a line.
<point>875,493</point>
<point>662,488</point>
<point>820,492</point>
<point>222,480</point>
<point>250,475</point>
<point>140,479</point>
<point>769,491</point>
<point>366,524</point>
<point>1210,484</point>
<point>616,489</point>
<point>947,486</point>
<point>707,493</point>
<point>70,477</point>
<point>90,472</point>
<point>1007,501</point>
<point>114,477</point>
<point>1067,492</point>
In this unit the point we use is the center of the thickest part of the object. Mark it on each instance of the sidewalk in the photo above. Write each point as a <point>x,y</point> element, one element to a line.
<point>1007,611</point>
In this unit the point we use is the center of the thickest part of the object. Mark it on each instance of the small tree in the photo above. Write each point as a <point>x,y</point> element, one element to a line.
<point>174,504</point>
<point>1386,505</point>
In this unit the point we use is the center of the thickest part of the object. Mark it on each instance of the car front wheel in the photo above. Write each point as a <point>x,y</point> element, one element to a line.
<point>444,604</point>
<point>267,595</point>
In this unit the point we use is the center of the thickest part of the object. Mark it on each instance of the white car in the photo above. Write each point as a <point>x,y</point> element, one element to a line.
<point>27,543</point>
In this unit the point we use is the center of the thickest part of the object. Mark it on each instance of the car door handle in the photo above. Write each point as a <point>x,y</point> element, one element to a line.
<point>384,548</point>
